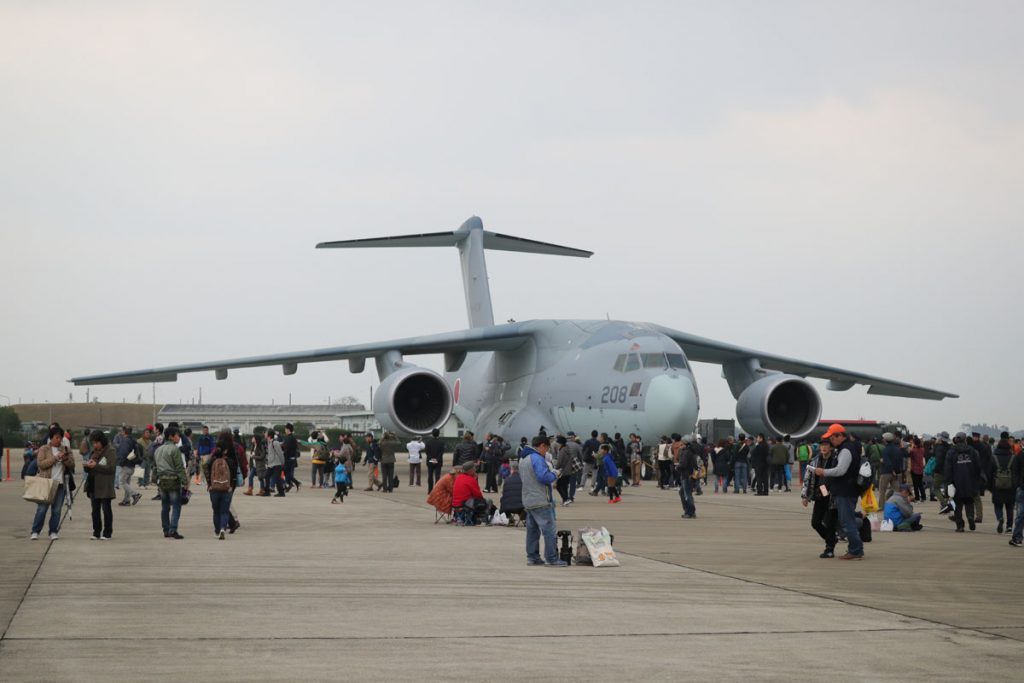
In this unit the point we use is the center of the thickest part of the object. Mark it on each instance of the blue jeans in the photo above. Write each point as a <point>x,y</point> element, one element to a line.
<point>221,502</point>
<point>1018,519</point>
<point>686,496</point>
<point>742,476</point>
<point>170,510</point>
<point>541,522</point>
<point>54,508</point>
<point>846,506</point>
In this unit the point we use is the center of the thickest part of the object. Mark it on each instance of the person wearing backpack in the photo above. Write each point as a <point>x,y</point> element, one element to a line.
<point>221,472</point>
<point>803,456</point>
<point>844,487</point>
<point>275,465</point>
<point>1003,489</point>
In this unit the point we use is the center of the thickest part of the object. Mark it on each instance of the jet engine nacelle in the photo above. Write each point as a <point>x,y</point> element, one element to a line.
<point>413,400</point>
<point>777,405</point>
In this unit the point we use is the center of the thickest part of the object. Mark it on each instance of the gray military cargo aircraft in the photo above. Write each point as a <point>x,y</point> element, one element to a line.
<point>568,375</point>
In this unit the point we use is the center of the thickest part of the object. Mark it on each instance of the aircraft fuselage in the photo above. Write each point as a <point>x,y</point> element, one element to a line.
<point>579,375</point>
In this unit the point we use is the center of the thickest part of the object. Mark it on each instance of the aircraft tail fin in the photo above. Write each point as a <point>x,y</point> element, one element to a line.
<point>471,240</point>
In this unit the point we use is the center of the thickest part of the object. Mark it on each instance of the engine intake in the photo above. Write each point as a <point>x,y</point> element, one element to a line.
<point>778,405</point>
<point>413,401</point>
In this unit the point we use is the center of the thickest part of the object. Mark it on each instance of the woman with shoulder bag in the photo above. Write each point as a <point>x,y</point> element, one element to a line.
<point>99,485</point>
<point>53,460</point>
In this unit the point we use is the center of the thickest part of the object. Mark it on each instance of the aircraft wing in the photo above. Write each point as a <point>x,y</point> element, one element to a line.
<point>494,338</point>
<point>704,350</point>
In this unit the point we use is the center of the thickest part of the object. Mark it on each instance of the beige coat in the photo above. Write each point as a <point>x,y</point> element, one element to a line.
<point>46,458</point>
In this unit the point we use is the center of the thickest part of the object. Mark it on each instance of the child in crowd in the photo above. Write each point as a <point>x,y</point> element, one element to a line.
<point>342,480</point>
<point>612,472</point>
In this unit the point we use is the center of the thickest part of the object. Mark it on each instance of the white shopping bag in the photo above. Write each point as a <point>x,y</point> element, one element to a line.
<point>599,547</point>
<point>887,525</point>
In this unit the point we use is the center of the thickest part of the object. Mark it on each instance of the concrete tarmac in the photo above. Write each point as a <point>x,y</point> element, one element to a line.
<point>372,589</point>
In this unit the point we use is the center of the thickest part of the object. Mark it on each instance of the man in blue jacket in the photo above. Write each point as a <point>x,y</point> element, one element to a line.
<point>539,504</point>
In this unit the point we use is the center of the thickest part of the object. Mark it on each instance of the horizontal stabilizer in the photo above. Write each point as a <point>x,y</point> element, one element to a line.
<point>491,240</point>
<point>499,242</point>
<point>426,239</point>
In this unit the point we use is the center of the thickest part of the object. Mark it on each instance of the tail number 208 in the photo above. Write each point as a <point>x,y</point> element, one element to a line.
<point>614,394</point>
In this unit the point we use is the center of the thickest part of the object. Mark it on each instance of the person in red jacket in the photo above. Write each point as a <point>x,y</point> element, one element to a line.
<point>466,493</point>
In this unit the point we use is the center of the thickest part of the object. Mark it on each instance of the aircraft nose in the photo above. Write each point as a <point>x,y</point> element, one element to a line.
<point>672,404</point>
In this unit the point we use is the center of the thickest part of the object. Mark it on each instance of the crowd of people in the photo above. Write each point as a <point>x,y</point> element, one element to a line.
<point>832,474</point>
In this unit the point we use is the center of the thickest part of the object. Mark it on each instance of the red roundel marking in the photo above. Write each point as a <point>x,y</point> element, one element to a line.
<point>457,389</point>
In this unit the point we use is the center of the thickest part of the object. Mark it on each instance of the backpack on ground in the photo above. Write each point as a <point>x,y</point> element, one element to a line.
<point>1003,479</point>
<point>220,475</point>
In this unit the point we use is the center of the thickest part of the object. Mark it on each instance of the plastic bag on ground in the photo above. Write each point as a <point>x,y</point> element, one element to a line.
<point>876,524</point>
<point>499,519</point>
<point>599,547</point>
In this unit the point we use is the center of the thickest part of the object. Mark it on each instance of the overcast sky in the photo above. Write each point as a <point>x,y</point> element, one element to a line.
<point>838,182</point>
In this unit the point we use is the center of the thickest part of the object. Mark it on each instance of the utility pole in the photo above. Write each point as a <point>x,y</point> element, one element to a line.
<point>154,402</point>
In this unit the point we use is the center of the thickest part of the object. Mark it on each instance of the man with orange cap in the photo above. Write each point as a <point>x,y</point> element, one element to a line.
<point>843,488</point>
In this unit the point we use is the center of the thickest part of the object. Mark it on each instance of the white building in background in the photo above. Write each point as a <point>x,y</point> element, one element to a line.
<point>247,418</point>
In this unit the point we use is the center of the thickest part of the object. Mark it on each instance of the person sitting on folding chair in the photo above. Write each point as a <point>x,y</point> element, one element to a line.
<point>440,497</point>
<point>468,503</point>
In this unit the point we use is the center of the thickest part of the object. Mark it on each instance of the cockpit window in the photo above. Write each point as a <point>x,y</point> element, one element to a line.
<point>653,360</point>
<point>627,362</point>
<point>678,361</point>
